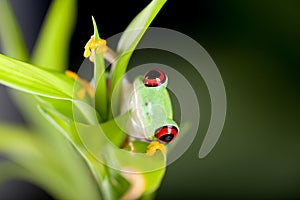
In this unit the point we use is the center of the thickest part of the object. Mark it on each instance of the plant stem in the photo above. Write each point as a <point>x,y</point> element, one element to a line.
<point>110,56</point>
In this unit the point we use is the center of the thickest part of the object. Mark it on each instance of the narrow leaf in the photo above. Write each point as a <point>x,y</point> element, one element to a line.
<point>51,50</point>
<point>62,174</point>
<point>32,79</point>
<point>100,80</point>
<point>10,34</point>
<point>130,39</point>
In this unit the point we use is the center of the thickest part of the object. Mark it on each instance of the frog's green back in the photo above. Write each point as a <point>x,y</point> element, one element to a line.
<point>152,104</point>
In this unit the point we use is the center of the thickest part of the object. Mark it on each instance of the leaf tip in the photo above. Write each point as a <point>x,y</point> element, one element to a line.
<point>96,34</point>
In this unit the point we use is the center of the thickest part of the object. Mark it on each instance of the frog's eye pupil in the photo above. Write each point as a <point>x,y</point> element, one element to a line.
<point>154,78</point>
<point>166,133</point>
<point>167,138</point>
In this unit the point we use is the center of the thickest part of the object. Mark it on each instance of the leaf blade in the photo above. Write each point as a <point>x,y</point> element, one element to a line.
<point>100,80</point>
<point>61,173</point>
<point>32,79</point>
<point>10,34</point>
<point>129,41</point>
<point>51,50</point>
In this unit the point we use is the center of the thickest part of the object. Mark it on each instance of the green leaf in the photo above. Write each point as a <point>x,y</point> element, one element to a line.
<point>130,39</point>
<point>51,50</point>
<point>32,79</point>
<point>151,168</point>
<point>111,184</point>
<point>138,26</point>
<point>77,111</point>
<point>63,108</point>
<point>113,131</point>
<point>10,34</point>
<point>96,140</point>
<point>119,183</point>
<point>100,80</point>
<point>58,170</point>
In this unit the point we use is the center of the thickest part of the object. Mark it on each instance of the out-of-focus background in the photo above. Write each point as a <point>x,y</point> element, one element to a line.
<point>256,46</point>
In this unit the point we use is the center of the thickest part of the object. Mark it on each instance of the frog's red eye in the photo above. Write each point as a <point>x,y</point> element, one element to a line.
<point>166,133</point>
<point>154,78</point>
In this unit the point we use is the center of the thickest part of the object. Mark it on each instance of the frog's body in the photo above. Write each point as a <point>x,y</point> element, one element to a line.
<point>151,111</point>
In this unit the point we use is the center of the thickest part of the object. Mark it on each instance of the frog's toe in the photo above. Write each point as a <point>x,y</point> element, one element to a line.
<point>154,146</point>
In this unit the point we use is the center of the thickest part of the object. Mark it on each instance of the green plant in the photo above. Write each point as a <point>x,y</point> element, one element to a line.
<point>49,156</point>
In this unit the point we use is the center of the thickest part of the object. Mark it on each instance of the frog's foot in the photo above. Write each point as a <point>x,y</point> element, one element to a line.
<point>154,146</point>
<point>98,46</point>
<point>86,87</point>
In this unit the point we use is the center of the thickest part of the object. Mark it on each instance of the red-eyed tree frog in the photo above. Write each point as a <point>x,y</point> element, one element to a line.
<point>151,114</point>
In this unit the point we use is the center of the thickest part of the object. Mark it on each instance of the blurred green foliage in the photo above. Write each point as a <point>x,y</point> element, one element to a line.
<point>29,156</point>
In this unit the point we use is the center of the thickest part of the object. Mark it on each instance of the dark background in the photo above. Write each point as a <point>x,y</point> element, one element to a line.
<point>256,46</point>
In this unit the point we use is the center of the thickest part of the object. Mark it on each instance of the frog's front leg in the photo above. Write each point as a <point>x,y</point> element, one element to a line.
<point>154,146</point>
<point>128,143</point>
<point>126,92</point>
